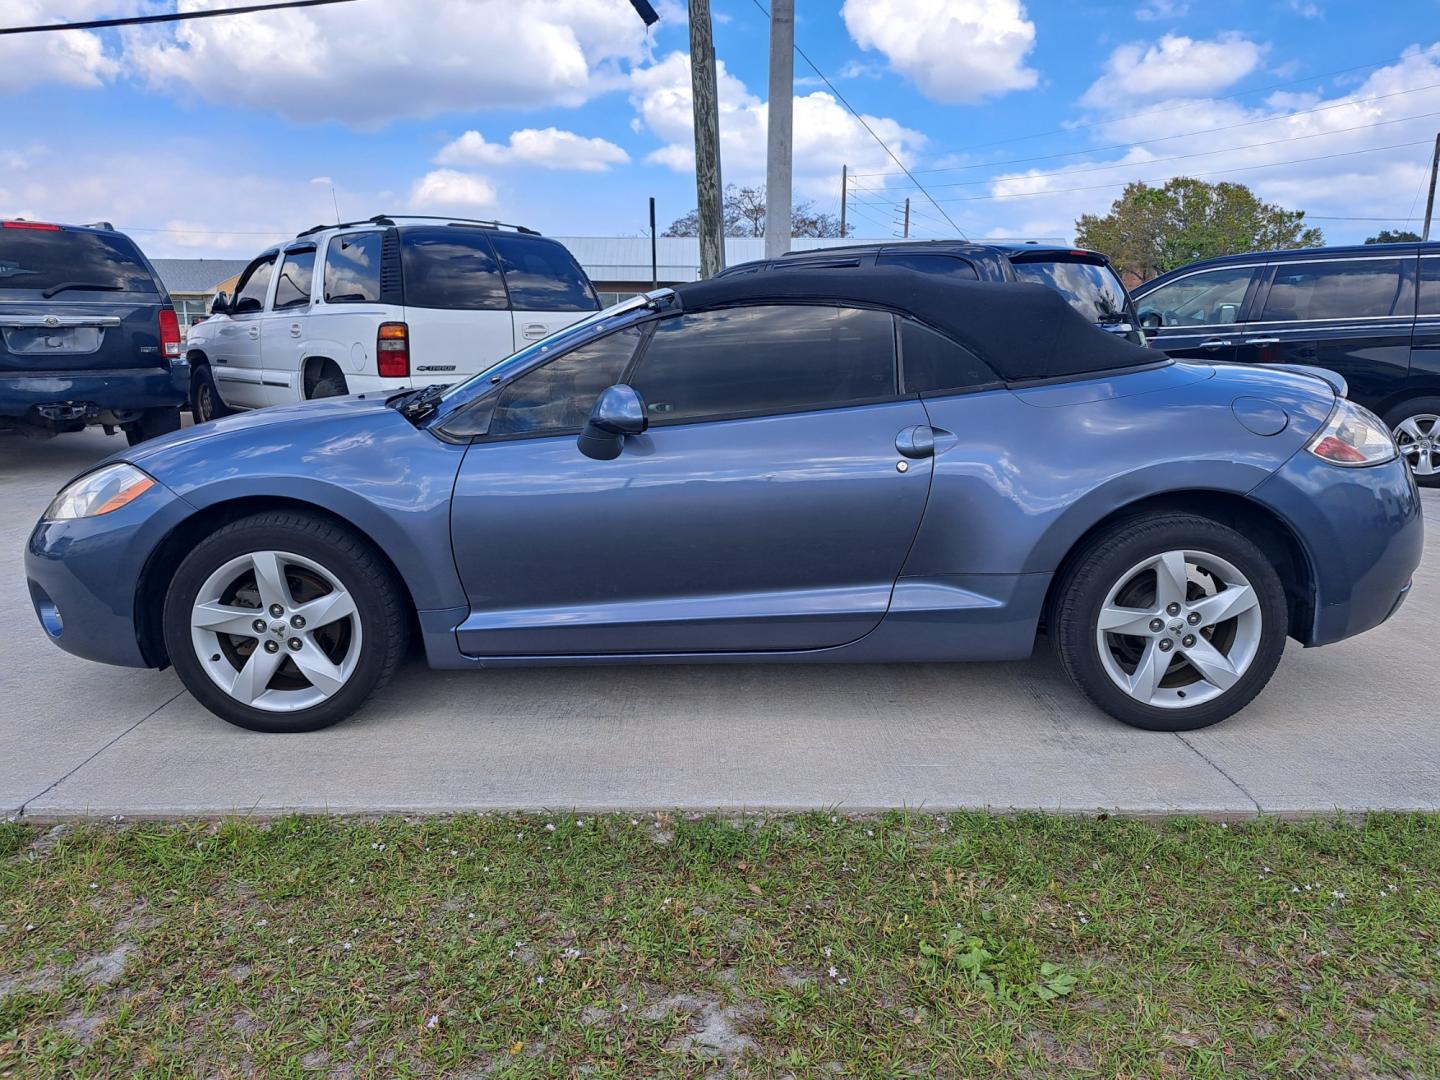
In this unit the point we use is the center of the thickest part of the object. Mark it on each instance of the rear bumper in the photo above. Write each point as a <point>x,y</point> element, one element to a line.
<point>30,396</point>
<point>1364,533</point>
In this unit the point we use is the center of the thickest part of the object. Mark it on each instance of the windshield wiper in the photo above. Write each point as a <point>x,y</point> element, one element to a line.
<point>418,404</point>
<point>95,286</point>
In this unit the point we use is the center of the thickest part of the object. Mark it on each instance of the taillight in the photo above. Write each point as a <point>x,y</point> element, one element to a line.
<point>41,226</point>
<point>169,334</point>
<point>392,350</point>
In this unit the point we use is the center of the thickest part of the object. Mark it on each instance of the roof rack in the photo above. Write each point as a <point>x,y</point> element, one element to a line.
<point>390,219</point>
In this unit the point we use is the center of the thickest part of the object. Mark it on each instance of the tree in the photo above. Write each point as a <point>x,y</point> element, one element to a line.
<point>1393,236</point>
<point>744,215</point>
<point>1150,230</point>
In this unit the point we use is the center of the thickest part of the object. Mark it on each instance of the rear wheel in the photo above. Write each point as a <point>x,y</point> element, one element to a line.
<point>1416,427</point>
<point>205,400</point>
<point>152,424</point>
<point>1171,622</point>
<point>282,622</point>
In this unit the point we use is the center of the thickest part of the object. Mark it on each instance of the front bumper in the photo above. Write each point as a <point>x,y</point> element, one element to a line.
<point>1363,532</point>
<point>83,576</point>
<point>39,398</point>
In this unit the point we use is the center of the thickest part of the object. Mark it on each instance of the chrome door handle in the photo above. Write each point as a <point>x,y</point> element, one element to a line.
<point>916,442</point>
<point>534,330</point>
<point>1216,343</point>
<point>254,332</point>
<point>295,330</point>
<point>1262,341</point>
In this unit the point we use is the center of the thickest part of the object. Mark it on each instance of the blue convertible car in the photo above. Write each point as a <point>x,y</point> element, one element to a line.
<point>808,464</point>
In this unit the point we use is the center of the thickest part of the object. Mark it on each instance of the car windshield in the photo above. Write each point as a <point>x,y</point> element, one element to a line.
<point>54,260</point>
<point>599,322</point>
<point>1092,289</point>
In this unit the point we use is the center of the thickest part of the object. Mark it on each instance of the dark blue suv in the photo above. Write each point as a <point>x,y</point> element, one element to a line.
<point>1369,313</point>
<point>87,334</point>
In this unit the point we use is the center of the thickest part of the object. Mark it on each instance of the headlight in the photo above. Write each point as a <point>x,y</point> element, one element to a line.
<point>1353,436</point>
<point>100,492</point>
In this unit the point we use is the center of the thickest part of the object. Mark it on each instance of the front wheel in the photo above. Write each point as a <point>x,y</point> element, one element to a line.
<point>283,622</point>
<point>205,400</point>
<point>1416,427</point>
<point>1171,622</point>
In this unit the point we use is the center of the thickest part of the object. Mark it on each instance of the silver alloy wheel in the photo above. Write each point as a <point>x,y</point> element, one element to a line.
<point>276,631</point>
<point>1179,629</point>
<point>1418,439</point>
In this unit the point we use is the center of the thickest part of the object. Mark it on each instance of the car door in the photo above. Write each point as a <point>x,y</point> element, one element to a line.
<point>1425,342</point>
<point>282,331</point>
<point>235,360</point>
<point>455,302</point>
<point>1350,314</point>
<point>767,508</point>
<point>1198,314</point>
<point>548,290</point>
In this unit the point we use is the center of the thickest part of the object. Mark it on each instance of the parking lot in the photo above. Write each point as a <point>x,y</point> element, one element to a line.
<point>1354,726</point>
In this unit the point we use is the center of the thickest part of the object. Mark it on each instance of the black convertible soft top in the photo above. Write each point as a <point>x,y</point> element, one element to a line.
<point>1024,331</point>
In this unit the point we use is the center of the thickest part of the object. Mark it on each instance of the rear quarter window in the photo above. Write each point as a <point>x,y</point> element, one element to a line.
<point>33,260</point>
<point>542,275</point>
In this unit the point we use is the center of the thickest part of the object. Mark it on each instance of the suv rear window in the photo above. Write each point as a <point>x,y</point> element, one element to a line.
<point>450,267</point>
<point>542,275</point>
<point>1091,288</point>
<point>38,259</point>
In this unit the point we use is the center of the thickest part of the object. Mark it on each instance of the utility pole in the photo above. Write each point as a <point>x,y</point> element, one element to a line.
<point>844,191</point>
<point>907,219</point>
<point>708,188</point>
<point>1430,201</point>
<point>654,256</point>
<point>782,108</point>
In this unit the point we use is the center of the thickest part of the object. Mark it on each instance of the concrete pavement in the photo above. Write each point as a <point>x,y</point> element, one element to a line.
<point>1351,727</point>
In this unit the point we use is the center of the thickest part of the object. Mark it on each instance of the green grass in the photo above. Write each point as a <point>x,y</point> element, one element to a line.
<point>812,945</point>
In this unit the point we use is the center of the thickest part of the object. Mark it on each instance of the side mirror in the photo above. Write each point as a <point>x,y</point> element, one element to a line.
<point>618,411</point>
<point>1150,320</point>
<point>219,304</point>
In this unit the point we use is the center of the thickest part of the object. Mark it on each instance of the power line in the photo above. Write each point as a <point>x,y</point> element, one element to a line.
<point>1168,138</point>
<point>177,16</point>
<point>1182,157</point>
<point>1156,112</point>
<point>841,97</point>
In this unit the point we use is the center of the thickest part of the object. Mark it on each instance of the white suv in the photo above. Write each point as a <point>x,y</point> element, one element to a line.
<point>382,305</point>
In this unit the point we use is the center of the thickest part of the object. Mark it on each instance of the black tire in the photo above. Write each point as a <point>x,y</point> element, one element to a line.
<point>1427,406</point>
<point>152,424</point>
<point>205,400</point>
<point>330,383</point>
<point>1108,557</point>
<point>379,604</point>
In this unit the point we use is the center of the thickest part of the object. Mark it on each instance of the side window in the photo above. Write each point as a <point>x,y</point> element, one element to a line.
<point>1346,289</point>
<point>931,361</point>
<point>945,265</point>
<point>1209,298</point>
<point>297,273</point>
<point>250,292</point>
<point>558,397</point>
<point>450,267</point>
<point>542,275</point>
<point>750,360</point>
<point>1429,286</point>
<point>352,268</point>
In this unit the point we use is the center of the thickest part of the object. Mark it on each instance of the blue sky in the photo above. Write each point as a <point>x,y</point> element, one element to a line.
<point>224,135</point>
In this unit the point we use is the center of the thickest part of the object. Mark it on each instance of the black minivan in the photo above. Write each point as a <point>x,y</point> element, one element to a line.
<point>1369,313</point>
<point>87,334</point>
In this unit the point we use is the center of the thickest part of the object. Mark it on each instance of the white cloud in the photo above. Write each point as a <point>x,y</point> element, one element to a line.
<point>826,135</point>
<point>69,58</point>
<point>364,64</point>
<point>547,148</point>
<point>449,189</point>
<point>1300,151</point>
<point>1174,66</point>
<point>1155,10</point>
<point>1306,9</point>
<point>956,51</point>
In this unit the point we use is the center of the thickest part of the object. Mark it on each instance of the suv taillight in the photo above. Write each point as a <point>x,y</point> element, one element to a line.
<point>392,350</point>
<point>169,334</point>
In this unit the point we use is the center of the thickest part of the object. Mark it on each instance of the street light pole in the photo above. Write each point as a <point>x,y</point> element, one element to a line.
<point>782,106</point>
<point>708,187</point>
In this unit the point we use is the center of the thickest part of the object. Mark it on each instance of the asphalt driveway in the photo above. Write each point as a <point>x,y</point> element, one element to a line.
<point>1351,727</point>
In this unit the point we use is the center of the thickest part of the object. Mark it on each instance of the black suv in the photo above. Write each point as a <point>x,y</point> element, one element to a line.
<point>1084,278</point>
<point>87,334</point>
<point>1369,313</point>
